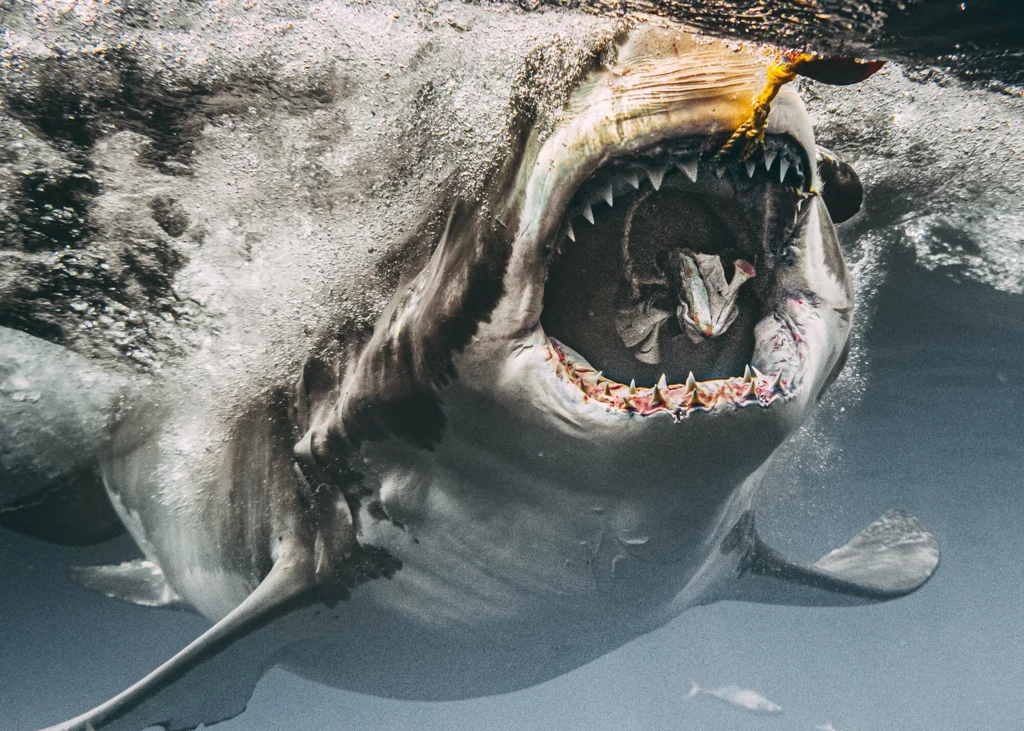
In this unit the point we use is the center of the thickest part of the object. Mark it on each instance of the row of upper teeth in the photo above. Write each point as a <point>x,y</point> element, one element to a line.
<point>778,156</point>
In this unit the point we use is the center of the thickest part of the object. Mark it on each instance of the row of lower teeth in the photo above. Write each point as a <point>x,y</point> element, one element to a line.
<point>778,156</point>
<point>680,399</point>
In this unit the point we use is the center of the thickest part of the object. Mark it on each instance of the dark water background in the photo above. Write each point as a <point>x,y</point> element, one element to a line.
<point>938,432</point>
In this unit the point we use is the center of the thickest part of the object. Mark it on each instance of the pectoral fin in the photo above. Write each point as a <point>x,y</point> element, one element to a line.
<point>891,558</point>
<point>138,582</point>
<point>213,678</point>
<point>55,409</point>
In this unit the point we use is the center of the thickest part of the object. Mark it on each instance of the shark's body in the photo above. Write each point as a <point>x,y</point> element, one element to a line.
<point>457,504</point>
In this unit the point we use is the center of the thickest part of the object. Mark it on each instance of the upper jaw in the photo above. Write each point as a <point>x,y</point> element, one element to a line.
<point>650,146</point>
<point>615,141</point>
<point>781,169</point>
<point>555,171</point>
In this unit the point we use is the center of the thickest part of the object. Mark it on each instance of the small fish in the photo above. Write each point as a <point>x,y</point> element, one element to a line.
<point>747,699</point>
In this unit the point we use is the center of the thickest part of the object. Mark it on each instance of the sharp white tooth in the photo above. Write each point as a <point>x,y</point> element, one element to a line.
<point>783,167</point>
<point>719,171</point>
<point>769,158</point>
<point>662,383</point>
<point>587,213</point>
<point>689,168</point>
<point>606,193</point>
<point>691,383</point>
<point>799,204</point>
<point>747,377</point>
<point>632,179</point>
<point>569,232</point>
<point>656,176</point>
<point>632,387</point>
<point>750,168</point>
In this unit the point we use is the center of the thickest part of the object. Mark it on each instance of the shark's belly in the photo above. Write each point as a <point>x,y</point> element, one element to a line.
<point>513,571</point>
<point>434,632</point>
<point>507,589</point>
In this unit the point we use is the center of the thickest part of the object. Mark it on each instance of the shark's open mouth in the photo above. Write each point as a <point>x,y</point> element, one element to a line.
<point>666,274</point>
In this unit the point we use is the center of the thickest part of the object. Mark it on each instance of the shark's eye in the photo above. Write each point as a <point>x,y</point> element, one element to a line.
<point>667,254</point>
<point>841,188</point>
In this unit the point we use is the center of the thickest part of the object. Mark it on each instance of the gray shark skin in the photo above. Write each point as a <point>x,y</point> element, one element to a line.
<point>366,435</point>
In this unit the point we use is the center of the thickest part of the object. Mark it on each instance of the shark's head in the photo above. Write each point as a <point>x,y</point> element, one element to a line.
<point>658,277</point>
<point>624,302</point>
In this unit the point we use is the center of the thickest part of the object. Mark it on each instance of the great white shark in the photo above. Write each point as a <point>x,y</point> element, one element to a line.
<point>550,441</point>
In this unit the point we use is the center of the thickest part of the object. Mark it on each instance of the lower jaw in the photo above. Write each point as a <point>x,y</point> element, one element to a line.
<point>678,400</point>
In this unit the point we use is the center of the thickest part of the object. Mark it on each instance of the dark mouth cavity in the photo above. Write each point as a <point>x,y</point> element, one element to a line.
<point>666,257</point>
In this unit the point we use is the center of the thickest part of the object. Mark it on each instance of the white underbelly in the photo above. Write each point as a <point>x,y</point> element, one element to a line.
<point>500,589</point>
<point>422,636</point>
